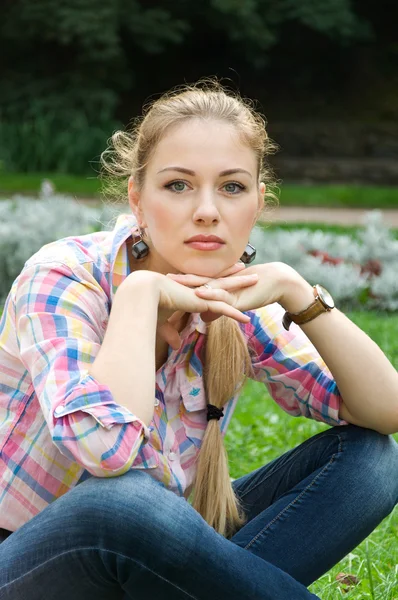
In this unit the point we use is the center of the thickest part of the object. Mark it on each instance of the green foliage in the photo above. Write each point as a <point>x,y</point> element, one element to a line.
<point>70,66</point>
<point>257,24</point>
<point>49,141</point>
<point>65,74</point>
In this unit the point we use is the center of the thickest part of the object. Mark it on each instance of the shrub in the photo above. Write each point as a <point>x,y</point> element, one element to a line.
<point>27,224</point>
<point>360,272</point>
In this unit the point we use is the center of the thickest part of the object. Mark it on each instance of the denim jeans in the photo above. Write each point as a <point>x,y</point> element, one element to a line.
<point>129,537</point>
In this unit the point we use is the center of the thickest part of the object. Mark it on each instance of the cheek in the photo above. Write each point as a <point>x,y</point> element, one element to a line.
<point>162,220</point>
<point>244,221</point>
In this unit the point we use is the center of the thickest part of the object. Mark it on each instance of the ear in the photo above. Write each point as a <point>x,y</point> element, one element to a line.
<point>261,193</point>
<point>134,201</point>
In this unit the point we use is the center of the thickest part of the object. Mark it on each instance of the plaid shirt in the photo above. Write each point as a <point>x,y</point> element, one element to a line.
<point>58,425</point>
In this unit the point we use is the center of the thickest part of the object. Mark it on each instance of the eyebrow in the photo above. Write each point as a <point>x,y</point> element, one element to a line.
<point>189,172</point>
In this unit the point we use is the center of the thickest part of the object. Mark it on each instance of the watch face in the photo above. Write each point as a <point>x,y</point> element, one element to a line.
<point>325,297</point>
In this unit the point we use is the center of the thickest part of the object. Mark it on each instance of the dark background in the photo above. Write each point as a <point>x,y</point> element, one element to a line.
<point>324,73</point>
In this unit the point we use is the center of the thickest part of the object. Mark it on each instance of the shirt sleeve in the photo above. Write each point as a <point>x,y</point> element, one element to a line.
<point>60,317</point>
<point>292,369</point>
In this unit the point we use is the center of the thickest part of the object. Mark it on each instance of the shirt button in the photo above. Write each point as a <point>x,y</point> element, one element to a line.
<point>172,455</point>
<point>156,402</point>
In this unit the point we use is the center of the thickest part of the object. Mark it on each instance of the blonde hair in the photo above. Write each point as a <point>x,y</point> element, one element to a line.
<point>227,361</point>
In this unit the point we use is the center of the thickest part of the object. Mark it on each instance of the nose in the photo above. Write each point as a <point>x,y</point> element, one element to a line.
<point>206,210</point>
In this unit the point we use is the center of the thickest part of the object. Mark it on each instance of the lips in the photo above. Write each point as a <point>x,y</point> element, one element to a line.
<point>205,238</point>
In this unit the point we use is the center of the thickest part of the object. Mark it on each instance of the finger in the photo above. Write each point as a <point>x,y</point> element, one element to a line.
<point>185,277</point>
<point>239,266</point>
<point>170,335</point>
<point>229,311</point>
<point>228,283</point>
<point>231,283</point>
<point>176,317</point>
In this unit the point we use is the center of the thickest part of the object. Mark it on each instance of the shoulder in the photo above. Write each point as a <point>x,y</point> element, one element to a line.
<point>59,265</point>
<point>71,251</point>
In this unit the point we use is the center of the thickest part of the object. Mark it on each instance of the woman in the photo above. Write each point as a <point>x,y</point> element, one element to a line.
<point>96,470</point>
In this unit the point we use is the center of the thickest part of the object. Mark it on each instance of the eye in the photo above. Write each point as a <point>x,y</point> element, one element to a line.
<point>233,187</point>
<point>176,186</point>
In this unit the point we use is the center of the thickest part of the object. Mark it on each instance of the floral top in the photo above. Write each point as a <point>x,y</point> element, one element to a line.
<point>58,425</point>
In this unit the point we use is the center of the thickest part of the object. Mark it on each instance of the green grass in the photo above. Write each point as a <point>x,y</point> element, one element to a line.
<point>260,431</point>
<point>339,196</point>
<point>13,183</point>
<point>359,196</point>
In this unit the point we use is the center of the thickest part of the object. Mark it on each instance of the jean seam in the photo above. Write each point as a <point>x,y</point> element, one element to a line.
<point>3,587</point>
<point>332,458</point>
<point>300,451</point>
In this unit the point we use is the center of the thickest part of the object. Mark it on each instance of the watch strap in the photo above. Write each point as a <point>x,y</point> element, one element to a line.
<point>305,316</point>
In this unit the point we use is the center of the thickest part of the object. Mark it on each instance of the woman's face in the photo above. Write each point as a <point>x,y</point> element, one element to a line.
<point>201,180</point>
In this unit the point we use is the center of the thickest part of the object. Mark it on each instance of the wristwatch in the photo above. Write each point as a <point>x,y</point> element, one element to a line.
<point>323,303</point>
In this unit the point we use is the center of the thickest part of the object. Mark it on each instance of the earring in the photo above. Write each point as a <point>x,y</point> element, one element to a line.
<point>249,254</point>
<point>140,249</point>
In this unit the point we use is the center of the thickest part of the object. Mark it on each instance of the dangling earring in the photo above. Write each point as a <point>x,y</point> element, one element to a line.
<point>140,248</point>
<point>249,254</point>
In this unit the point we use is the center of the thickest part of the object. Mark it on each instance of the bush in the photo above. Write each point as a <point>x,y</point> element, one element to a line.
<point>40,143</point>
<point>27,224</point>
<point>360,272</point>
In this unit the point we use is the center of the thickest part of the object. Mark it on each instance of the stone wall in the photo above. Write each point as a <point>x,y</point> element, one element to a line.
<point>336,151</point>
<point>380,171</point>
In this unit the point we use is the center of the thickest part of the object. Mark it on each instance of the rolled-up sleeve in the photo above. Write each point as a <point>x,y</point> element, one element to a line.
<point>60,316</point>
<point>292,369</point>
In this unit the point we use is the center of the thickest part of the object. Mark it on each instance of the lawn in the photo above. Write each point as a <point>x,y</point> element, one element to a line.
<point>260,431</point>
<point>358,196</point>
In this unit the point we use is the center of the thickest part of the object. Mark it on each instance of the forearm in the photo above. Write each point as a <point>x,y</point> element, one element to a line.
<point>126,360</point>
<point>367,381</point>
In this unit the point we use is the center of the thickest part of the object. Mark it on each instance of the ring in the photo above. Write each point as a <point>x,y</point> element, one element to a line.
<point>206,285</point>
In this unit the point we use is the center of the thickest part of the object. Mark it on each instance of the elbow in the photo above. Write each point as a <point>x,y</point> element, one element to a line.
<point>97,465</point>
<point>385,423</point>
<point>387,428</point>
<point>389,423</point>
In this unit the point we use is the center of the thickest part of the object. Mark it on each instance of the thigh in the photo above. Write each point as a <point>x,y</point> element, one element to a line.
<point>109,537</point>
<point>261,488</point>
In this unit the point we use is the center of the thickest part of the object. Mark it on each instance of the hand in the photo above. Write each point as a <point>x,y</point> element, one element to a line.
<point>173,296</point>
<point>273,281</point>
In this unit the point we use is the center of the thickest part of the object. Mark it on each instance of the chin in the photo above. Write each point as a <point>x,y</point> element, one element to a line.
<point>206,270</point>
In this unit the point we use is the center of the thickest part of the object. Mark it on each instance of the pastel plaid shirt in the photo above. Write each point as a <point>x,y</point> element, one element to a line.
<point>58,425</point>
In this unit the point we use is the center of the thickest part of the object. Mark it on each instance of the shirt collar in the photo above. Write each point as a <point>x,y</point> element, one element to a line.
<point>119,263</point>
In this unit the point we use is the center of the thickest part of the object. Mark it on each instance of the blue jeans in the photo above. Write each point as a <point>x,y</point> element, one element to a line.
<point>129,537</point>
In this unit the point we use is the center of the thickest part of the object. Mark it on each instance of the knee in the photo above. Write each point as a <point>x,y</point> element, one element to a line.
<point>113,500</point>
<point>374,459</point>
<point>132,510</point>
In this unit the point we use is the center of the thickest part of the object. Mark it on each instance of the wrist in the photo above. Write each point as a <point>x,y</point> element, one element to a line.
<point>298,294</point>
